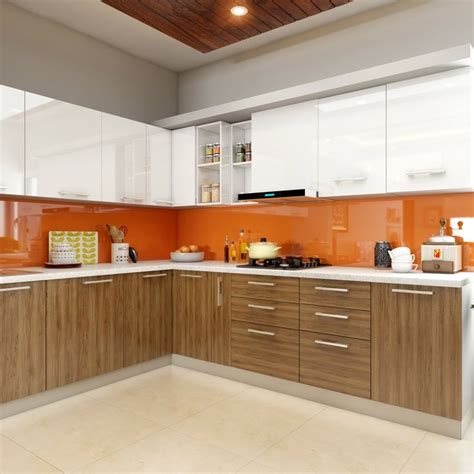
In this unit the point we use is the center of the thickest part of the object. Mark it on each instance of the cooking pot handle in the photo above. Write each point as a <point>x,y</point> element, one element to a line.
<point>276,248</point>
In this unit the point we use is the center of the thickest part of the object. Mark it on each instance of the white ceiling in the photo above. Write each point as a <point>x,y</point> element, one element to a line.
<point>100,21</point>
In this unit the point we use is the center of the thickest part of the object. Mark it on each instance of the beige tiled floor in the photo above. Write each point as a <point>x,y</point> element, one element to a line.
<point>176,420</point>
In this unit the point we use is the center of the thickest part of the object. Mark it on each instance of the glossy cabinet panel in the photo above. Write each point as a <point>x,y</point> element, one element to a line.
<point>158,188</point>
<point>12,139</point>
<point>285,148</point>
<point>63,149</point>
<point>183,163</point>
<point>124,160</point>
<point>352,143</point>
<point>429,133</point>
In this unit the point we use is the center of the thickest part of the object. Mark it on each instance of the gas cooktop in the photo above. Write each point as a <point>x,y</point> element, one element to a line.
<point>285,263</point>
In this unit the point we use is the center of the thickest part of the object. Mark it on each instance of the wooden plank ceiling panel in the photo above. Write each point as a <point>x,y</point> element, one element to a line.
<point>207,25</point>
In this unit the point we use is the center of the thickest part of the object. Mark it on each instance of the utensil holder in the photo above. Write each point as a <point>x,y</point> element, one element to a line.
<point>120,253</point>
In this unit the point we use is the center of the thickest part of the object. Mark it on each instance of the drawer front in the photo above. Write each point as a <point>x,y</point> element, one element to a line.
<point>335,363</point>
<point>265,349</point>
<point>336,321</point>
<point>266,288</point>
<point>273,313</point>
<point>337,294</point>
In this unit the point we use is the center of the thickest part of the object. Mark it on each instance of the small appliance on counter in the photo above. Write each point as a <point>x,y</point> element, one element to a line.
<point>381,254</point>
<point>441,254</point>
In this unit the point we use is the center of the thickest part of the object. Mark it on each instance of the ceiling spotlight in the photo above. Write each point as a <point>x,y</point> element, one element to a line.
<point>239,10</point>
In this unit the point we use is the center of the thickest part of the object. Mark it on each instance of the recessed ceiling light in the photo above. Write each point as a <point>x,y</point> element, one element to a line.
<point>238,10</point>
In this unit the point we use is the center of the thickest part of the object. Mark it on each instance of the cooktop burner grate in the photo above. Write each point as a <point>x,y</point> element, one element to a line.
<point>285,263</point>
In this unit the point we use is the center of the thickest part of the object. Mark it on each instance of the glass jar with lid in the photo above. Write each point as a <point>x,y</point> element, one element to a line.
<point>206,193</point>
<point>216,192</point>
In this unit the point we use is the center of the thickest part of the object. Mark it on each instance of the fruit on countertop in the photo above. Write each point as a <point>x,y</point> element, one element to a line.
<point>188,249</point>
<point>193,248</point>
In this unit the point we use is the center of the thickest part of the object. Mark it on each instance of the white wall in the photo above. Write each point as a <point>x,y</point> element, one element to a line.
<point>401,30</point>
<point>46,58</point>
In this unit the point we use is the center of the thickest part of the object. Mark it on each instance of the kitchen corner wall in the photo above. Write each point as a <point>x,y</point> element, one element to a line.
<point>342,232</point>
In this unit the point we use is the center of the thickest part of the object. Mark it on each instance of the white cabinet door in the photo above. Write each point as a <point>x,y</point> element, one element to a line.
<point>285,148</point>
<point>63,149</point>
<point>124,160</point>
<point>183,166</point>
<point>429,130</point>
<point>12,127</point>
<point>159,166</point>
<point>352,143</point>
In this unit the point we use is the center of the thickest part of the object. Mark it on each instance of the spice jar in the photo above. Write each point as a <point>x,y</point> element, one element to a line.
<point>216,192</point>
<point>239,153</point>
<point>206,193</point>
<point>216,150</point>
<point>248,151</point>
<point>209,153</point>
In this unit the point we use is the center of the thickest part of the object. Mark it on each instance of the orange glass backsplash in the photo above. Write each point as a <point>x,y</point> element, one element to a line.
<point>24,227</point>
<point>342,232</point>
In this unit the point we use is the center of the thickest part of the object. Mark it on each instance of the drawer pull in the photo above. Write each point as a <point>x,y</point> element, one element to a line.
<point>332,344</point>
<point>187,275</point>
<point>15,288</point>
<point>265,333</point>
<point>96,282</point>
<point>325,288</point>
<point>261,283</point>
<point>257,306</point>
<point>155,275</point>
<point>412,292</point>
<point>335,316</point>
<point>414,173</point>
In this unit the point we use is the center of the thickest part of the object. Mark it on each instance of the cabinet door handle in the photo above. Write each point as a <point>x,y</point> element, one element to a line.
<point>186,275</point>
<point>329,315</point>
<point>332,344</point>
<point>74,193</point>
<point>257,306</point>
<point>160,201</point>
<point>97,282</point>
<point>155,275</point>
<point>3,186</point>
<point>220,291</point>
<point>261,283</point>
<point>414,173</point>
<point>131,199</point>
<point>412,292</point>
<point>324,288</point>
<point>355,178</point>
<point>15,288</point>
<point>264,333</point>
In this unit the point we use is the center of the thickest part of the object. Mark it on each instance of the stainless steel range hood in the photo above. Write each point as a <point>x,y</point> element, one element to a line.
<point>285,196</point>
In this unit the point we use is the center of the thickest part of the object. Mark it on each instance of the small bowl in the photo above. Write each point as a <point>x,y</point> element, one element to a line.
<point>405,267</point>
<point>399,251</point>
<point>187,257</point>
<point>404,259</point>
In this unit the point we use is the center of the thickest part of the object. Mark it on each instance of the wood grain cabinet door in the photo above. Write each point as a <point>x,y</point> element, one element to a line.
<point>84,328</point>
<point>201,326</point>
<point>22,340</point>
<point>147,316</point>
<point>416,348</point>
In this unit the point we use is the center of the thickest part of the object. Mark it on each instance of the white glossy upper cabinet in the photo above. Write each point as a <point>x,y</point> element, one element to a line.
<point>429,130</point>
<point>352,143</point>
<point>124,160</point>
<point>183,166</point>
<point>285,148</point>
<point>63,149</point>
<point>159,166</point>
<point>12,126</point>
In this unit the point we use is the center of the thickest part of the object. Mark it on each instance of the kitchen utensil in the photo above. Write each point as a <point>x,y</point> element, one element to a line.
<point>381,256</point>
<point>187,257</point>
<point>263,250</point>
<point>133,254</point>
<point>116,235</point>
<point>403,267</point>
<point>396,252</point>
<point>404,259</point>
<point>120,252</point>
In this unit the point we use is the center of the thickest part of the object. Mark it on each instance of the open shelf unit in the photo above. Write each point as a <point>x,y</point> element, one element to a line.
<point>217,171</point>
<point>241,176</point>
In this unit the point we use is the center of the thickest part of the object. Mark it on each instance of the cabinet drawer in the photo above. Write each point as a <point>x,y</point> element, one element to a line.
<point>265,349</point>
<point>266,287</point>
<point>338,294</point>
<point>335,363</point>
<point>274,313</point>
<point>336,321</point>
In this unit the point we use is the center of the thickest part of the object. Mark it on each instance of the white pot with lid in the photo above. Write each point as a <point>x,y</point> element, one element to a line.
<point>263,250</point>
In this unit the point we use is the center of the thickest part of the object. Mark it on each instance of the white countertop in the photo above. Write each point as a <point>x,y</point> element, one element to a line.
<point>371,275</point>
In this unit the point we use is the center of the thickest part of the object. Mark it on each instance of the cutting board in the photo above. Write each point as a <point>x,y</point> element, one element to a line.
<point>84,243</point>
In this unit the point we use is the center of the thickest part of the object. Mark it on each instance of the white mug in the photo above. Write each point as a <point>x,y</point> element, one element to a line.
<point>404,267</point>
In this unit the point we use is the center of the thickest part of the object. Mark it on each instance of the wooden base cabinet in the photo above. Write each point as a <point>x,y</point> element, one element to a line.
<point>416,348</point>
<point>84,328</point>
<point>201,326</point>
<point>148,316</point>
<point>22,340</point>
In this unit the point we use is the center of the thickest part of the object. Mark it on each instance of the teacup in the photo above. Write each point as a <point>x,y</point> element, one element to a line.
<point>404,259</point>
<point>399,251</point>
<point>404,267</point>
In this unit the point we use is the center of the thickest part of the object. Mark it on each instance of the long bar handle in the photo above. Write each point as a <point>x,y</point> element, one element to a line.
<point>162,201</point>
<point>264,333</point>
<point>3,186</point>
<point>332,344</point>
<point>355,178</point>
<point>428,171</point>
<point>325,288</point>
<point>329,315</point>
<point>412,292</point>
<point>97,282</point>
<point>155,275</point>
<point>261,283</point>
<point>187,275</point>
<point>220,291</point>
<point>257,306</point>
<point>15,288</point>
<point>74,193</point>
